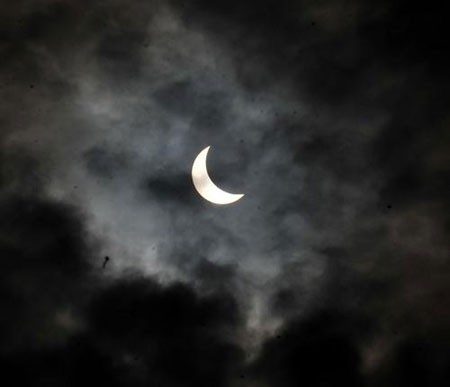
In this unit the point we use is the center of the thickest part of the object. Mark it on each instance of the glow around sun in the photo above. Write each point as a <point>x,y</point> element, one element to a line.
<point>205,186</point>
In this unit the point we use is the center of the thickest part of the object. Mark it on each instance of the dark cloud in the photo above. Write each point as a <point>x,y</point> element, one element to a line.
<point>331,47</point>
<point>19,173</point>
<point>419,362</point>
<point>184,97</point>
<point>325,349</point>
<point>321,351</point>
<point>44,268</point>
<point>330,116</point>
<point>104,162</point>
<point>138,333</point>
<point>63,323</point>
<point>172,187</point>
<point>176,336</point>
<point>176,97</point>
<point>214,276</point>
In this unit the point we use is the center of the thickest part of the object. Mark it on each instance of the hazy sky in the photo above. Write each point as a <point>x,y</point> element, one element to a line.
<point>331,116</point>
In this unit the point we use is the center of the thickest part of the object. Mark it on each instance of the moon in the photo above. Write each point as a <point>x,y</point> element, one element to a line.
<point>205,186</point>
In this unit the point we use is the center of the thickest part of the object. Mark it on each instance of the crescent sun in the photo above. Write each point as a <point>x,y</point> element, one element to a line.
<point>205,186</point>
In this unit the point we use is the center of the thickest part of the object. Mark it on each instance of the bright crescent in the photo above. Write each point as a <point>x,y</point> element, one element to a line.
<point>205,186</point>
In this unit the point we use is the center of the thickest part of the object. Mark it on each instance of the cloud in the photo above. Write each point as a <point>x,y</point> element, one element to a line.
<point>319,351</point>
<point>64,321</point>
<point>331,117</point>
<point>45,255</point>
<point>137,332</point>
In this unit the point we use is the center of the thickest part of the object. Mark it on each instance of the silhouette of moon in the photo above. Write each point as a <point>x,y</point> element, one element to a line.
<point>205,186</point>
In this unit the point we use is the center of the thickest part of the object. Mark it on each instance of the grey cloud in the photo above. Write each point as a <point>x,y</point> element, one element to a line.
<point>330,117</point>
<point>104,162</point>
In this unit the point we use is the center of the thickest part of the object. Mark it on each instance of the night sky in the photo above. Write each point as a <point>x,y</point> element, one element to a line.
<point>331,116</point>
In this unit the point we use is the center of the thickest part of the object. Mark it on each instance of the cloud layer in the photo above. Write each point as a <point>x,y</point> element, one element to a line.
<point>330,116</point>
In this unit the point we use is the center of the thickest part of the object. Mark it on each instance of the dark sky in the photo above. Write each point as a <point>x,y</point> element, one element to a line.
<point>331,116</point>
